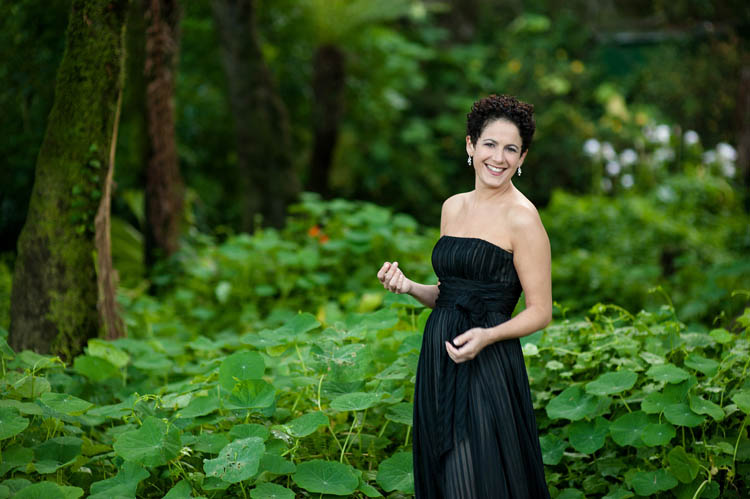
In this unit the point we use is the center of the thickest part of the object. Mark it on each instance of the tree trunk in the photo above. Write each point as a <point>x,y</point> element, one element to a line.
<point>55,293</point>
<point>164,186</point>
<point>264,157</point>
<point>328,108</point>
<point>743,127</point>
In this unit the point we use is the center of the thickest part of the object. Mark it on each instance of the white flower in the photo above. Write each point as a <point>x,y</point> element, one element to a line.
<point>608,151</point>
<point>663,154</point>
<point>691,138</point>
<point>726,152</point>
<point>628,157</point>
<point>662,134</point>
<point>728,169</point>
<point>665,193</point>
<point>606,184</point>
<point>709,157</point>
<point>591,147</point>
<point>613,168</point>
<point>627,181</point>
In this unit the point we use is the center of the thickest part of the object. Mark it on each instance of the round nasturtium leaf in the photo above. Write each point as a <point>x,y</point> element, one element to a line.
<point>401,413</point>
<point>682,465</point>
<point>237,461</point>
<point>612,383</point>
<point>668,373</point>
<point>628,428</point>
<point>11,422</point>
<point>305,424</point>
<point>268,490</point>
<point>397,473</point>
<point>67,404</point>
<point>571,404</point>
<point>48,490</point>
<point>654,403</point>
<point>95,368</point>
<point>153,444</point>
<point>326,477</point>
<point>742,399</point>
<point>53,454</point>
<point>709,367</point>
<point>357,401</point>
<point>681,415</point>
<point>658,434</point>
<point>588,436</point>
<point>240,366</point>
<point>553,448</point>
<point>699,405</point>
<point>251,393</point>
<point>647,483</point>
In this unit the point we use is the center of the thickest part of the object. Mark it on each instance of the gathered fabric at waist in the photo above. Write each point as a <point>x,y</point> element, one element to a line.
<point>477,298</point>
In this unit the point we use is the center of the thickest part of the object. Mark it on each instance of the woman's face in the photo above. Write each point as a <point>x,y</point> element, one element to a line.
<point>497,153</point>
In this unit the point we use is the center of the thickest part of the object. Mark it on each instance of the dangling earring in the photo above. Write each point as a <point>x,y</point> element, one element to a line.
<point>468,161</point>
<point>519,171</point>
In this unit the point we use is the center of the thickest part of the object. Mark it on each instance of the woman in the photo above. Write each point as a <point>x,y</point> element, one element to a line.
<point>475,433</point>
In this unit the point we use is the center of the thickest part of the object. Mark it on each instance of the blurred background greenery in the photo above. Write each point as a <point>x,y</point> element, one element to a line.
<point>639,164</point>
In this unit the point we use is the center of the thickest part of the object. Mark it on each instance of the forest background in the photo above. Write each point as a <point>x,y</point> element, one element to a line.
<point>271,154</point>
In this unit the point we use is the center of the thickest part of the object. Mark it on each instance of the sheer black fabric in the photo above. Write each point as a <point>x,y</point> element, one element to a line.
<point>475,433</point>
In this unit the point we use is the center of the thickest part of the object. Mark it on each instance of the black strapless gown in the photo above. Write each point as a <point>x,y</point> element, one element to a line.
<point>475,434</point>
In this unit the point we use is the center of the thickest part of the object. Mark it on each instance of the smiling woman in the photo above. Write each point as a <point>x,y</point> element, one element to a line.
<point>475,433</point>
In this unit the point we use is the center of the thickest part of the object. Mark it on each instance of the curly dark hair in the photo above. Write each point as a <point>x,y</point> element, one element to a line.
<point>494,107</point>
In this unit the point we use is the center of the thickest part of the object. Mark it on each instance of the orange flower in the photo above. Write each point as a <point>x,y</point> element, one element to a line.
<point>324,239</point>
<point>314,231</point>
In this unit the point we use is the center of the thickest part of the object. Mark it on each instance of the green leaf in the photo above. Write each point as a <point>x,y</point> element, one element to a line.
<point>107,351</point>
<point>570,494</point>
<point>252,393</point>
<point>397,473</point>
<point>95,368</point>
<point>55,453</point>
<point>357,401</point>
<point>210,443</point>
<point>15,457</point>
<point>553,448</point>
<point>48,490</point>
<point>647,483</point>
<point>700,405</point>
<point>742,399</point>
<point>276,464</point>
<point>654,403</point>
<point>36,362</point>
<point>300,324</point>
<point>658,434</point>
<point>326,477</point>
<point>11,422</point>
<point>201,405</point>
<point>588,436</point>
<point>668,373</point>
<point>305,424</point>
<point>271,491</point>
<point>240,366</point>
<point>681,415</point>
<point>153,444</point>
<point>237,461</point>
<point>124,484</point>
<point>573,403</point>
<point>619,493</point>
<point>682,465</point>
<point>67,404</point>
<point>153,362</point>
<point>628,428</point>
<point>401,413</point>
<point>181,490</point>
<point>721,336</point>
<point>709,367</point>
<point>248,430</point>
<point>612,383</point>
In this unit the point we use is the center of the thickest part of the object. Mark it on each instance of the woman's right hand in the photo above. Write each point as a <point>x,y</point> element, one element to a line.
<point>393,279</point>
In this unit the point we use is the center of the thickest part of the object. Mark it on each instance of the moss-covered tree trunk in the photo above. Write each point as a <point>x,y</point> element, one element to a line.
<point>164,186</point>
<point>264,157</point>
<point>55,300</point>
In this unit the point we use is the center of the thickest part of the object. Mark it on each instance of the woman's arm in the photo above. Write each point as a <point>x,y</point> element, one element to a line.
<point>531,257</point>
<point>394,280</point>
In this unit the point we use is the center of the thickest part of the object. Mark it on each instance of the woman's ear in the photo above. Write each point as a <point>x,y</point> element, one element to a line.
<point>469,146</point>
<point>523,157</point>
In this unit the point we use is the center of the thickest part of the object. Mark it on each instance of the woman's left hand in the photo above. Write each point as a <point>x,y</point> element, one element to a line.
<point>469,345</point>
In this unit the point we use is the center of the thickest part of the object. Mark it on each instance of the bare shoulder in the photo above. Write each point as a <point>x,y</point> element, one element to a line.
<point>451,209</point>
<point>523,215</point>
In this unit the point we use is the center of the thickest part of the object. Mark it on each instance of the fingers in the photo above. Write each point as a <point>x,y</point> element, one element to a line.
<point>383,270</point>
<point>468,345</point>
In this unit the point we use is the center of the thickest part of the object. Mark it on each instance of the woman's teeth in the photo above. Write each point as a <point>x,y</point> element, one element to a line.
<point>496,170</point>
